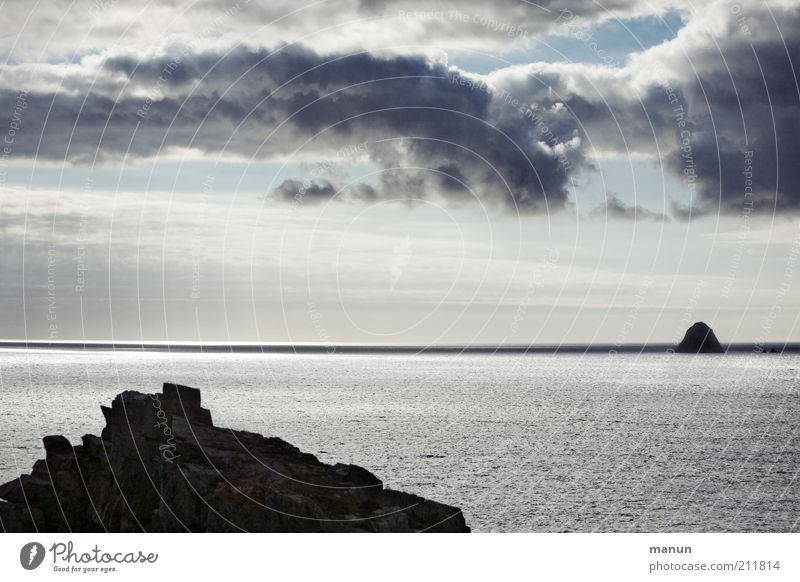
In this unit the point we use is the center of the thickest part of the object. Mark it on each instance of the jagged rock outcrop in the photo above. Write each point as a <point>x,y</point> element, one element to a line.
<point>699,339</point>
<point>160,465</point>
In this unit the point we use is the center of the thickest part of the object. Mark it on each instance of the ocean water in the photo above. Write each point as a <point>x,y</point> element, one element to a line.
<point>519,442</point>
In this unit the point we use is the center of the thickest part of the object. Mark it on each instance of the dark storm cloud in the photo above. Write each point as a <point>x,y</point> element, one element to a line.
<point>289,190</point>
<point>311,192</point>
<point>743,140</point>
<point>720,105</point>
<point>427,129</point>
<point>616,208</point>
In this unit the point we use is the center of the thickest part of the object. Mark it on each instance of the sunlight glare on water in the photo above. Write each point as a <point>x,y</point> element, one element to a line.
<point>519,442</point>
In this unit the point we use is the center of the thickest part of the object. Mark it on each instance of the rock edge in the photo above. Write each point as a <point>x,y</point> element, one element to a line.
<point>160,465</point>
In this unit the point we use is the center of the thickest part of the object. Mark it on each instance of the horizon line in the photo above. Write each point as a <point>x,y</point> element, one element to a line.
<point>332,348</point>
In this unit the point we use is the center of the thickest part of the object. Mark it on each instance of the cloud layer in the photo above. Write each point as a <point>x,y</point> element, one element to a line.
<point>718,106</point>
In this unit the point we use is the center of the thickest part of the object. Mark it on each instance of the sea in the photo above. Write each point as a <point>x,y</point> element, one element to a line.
<point>521,442</point>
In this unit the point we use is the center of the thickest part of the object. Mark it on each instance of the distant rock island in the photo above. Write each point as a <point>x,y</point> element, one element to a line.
<point>160,465</point>
<point>699,339</point>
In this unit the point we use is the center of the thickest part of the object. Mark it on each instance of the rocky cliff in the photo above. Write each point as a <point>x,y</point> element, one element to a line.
<point>160,465</point>
<point>699,339</point>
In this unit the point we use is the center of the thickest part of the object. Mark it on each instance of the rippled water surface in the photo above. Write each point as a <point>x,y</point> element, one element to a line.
<point>521,443</point>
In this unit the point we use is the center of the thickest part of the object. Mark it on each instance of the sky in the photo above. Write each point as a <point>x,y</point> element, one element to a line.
<point>399,172</point>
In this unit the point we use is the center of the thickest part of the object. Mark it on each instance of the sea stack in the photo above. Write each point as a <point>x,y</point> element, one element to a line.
<point>699,339</point>
<point>160,465</point>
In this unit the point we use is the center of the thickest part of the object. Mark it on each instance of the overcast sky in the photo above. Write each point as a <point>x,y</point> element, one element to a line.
<point>399,171</point>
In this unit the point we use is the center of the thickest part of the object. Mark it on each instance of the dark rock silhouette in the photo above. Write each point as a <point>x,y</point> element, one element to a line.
<point>161,465</point>
<point>699,339</point>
